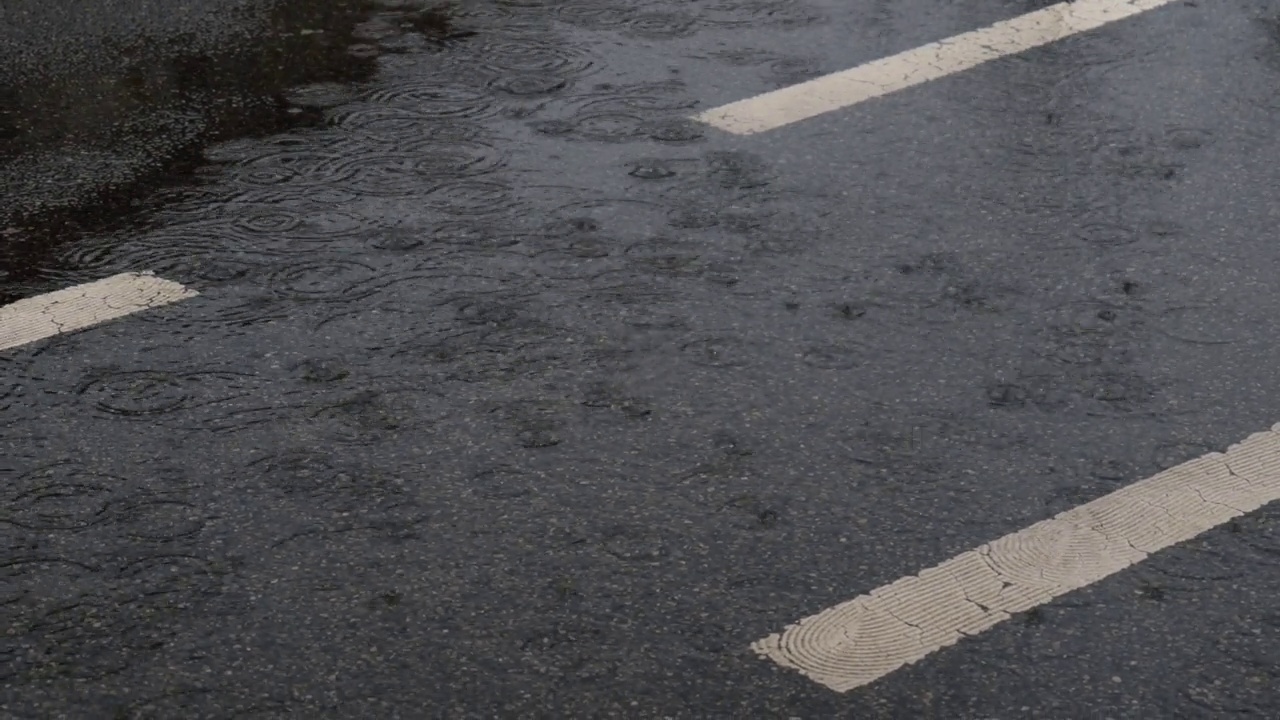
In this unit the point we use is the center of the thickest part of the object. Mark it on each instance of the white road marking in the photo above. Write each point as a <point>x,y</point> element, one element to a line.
<point>82,306</point>
<point>866,638</point>
<point>913,67</point>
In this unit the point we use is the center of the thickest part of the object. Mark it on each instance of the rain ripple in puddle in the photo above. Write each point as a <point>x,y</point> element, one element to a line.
<point>623,114</point>
<point>437,101</point>
<point>416,170</point>
<point>374,415</point>
<point>61,497</point>
<point>530,54</point>
<point>144,394</point>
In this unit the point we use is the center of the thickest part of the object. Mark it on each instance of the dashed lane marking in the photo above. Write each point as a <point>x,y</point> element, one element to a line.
<point>866,638</point>
<point>913,67</point>
<point>82,306</point>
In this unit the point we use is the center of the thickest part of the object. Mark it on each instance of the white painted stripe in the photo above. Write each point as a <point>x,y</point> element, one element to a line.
<point>913,67</point>
<point>866,638</point>
<point>82,306</point>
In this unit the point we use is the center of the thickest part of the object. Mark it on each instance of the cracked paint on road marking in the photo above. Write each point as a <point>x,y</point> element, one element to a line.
<point>82,306</point>
<point>866,638</point>
<point>914,67</point>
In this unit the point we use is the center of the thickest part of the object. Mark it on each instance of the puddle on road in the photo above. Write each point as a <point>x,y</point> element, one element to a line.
<point>82,153</point>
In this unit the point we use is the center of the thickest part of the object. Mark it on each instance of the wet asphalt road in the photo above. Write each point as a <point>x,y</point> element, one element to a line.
<point>512,393</point>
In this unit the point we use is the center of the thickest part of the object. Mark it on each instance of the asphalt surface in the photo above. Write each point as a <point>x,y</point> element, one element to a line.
<point>510,392</point>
